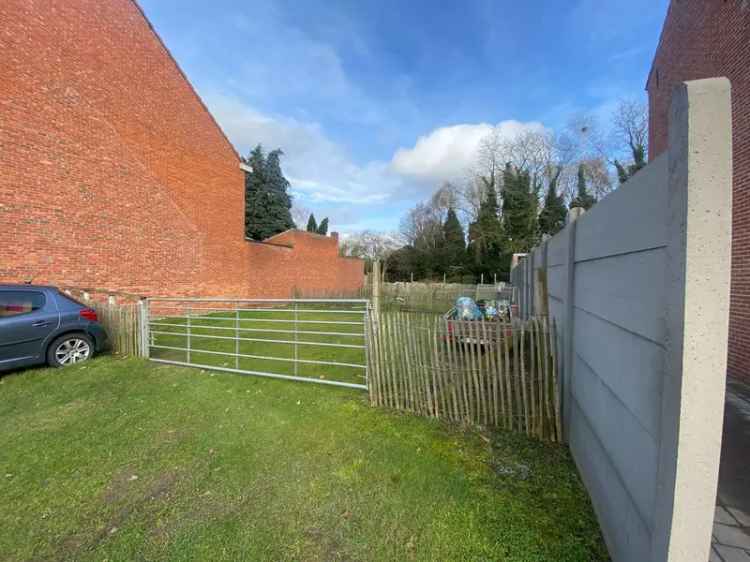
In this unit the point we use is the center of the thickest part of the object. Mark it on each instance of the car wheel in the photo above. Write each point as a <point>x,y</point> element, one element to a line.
<point>70,349</point>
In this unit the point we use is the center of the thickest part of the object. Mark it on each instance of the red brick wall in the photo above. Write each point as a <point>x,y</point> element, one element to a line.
<point>114,175</point>
<point>703,39</point>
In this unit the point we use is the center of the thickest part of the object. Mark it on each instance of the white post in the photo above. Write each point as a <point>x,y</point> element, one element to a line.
<point>143,313</point>
<point>567,327</point>
<point>237,337</point>
<point>296,339</point>
<point>376,289</point>
<point>699,235</point>
<point>188,334</point>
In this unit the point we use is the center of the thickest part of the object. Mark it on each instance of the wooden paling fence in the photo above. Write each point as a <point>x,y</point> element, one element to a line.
<point>480,372</point>
<point>121,320</point>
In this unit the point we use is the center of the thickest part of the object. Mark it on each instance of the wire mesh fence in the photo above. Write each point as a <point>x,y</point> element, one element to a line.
<point>493,373</point>
<point>437,297</point>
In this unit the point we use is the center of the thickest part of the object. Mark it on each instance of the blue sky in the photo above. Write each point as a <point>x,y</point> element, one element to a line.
<point>376,103</point>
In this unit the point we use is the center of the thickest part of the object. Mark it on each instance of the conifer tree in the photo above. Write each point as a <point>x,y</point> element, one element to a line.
<point>454,243</point>
<point>255,186</point>
<point>267,202</point>
<point>323,227</point>
<point>583,198</point>
<point>487,240</point>
<point>552,217</point>
<point>312,226</point>
<point>520,204</point>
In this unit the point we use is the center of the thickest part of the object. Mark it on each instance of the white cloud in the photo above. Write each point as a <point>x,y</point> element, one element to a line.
<point>318,169</point>
<point>325,179</point>
<point>446,153</point>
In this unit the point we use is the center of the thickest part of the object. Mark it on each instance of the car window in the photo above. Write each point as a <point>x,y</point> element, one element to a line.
<point>13,303</point>
<point>70,298</point>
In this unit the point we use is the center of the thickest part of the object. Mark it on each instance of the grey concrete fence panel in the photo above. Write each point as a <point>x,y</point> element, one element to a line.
<point>639,286</point>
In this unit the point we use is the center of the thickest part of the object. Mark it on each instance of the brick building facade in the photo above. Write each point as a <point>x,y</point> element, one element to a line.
<point>114,175</point>
<point>704,39</point>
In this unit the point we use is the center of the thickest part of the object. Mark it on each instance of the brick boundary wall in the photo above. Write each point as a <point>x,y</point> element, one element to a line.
<point>115,175</point>
<point>703,39</point>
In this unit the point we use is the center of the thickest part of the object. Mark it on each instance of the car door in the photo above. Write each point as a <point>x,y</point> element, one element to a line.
<point>27,318</point>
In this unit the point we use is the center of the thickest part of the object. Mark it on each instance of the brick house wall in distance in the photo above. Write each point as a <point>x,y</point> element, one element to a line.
<point>704,39</point>
<point>115,176</point>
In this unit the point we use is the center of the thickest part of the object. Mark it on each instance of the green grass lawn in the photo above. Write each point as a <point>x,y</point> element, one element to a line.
<point>123,459</point>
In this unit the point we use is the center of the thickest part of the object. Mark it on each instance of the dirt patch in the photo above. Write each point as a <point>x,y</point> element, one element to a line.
<point>120,494</point>
<point>205,508</point>
<point>122,484</point>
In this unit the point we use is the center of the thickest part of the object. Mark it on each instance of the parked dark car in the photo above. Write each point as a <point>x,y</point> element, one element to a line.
<point>43,325</point>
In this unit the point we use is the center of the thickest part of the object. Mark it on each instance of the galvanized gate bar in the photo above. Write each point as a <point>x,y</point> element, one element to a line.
<point>219,299</point>
<point>322,310</point>
<point>344,322</point>
<point>265,358</point>
<point>263,374</point>
<point>347,334</point>
<point>193,336</point>
<point>159,315</point>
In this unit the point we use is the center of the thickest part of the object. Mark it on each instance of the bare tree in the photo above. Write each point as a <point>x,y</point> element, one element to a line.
<point>421,227</point>
<point>630,125</point>
<point>532,151</point>
<point>300,214</point>
<point>444,198</point>
<point>370,245</point>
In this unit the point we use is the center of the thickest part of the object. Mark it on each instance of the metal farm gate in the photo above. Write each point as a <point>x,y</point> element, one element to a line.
<point>311,340</point>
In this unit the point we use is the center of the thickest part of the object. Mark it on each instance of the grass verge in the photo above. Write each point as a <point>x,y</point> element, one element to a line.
<point>129,460</point>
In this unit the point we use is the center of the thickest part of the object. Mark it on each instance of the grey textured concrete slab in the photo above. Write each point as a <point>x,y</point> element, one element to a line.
<point>722,515</point>
<point>729,554</point>
<point>732,516</point>
<point>729,535</point>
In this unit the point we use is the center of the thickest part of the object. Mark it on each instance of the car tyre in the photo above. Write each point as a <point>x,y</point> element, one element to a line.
<point>70,349</point>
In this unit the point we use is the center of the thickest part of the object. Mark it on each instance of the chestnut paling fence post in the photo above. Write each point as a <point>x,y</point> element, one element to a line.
<point>474,372</point>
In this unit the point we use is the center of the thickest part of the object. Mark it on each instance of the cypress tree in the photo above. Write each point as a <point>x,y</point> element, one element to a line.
<point>552,217</point>
<point>279,206</point>
<point>583,198</point>
<point>487,240</point>
<point>267,203</point>
<point>520,204</point>
<point>323,227</point>
<point>255,185</point>
<point>454,243</point>
<point>312,226</point>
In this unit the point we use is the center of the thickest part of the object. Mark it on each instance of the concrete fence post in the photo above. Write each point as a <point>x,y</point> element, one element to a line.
<point>526,286</point>
<point>530,283</point>
<point>143,318</point>
<point>696,319</point>
<point>568,325</point>
<point>541,294</point>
